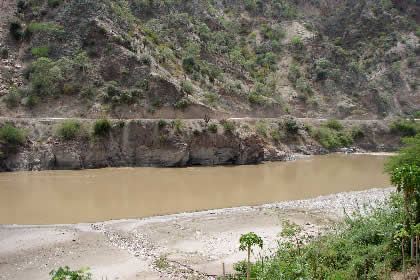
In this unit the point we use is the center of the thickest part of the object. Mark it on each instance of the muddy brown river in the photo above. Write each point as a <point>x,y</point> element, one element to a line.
<point>61,197</point>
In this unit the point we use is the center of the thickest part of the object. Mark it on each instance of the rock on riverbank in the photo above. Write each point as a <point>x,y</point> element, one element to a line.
<point>177,143</point>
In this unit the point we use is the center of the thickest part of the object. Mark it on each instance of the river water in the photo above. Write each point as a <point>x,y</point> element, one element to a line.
<point>61,197</point>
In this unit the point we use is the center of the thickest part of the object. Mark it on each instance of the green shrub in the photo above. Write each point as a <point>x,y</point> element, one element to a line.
<point>188,64</point>
<point>88,91</point>
<point>30,101</point>
<point>292,126</point>
<point>297,43</point>
<point>408,155</point>
<point>144,84</point>
<point>213,128</point>
<point>69,89</point>
<point>4,53</point>
<point>178,125</point>
<point>102,127</point>
<point>228,126</point>
<point>67,274</point>
<point>255,98</point>
<point>182,103</point>
<point>162,124</point>
<point>416,115</point>
<point>211,97</point>
<point>294,72</point>
<point>15,30</point>
<point>261,128</point>
<point>276,136</point>
<point>68,129</point>
<point>360,247</point>
<point>331,138</point>
<point>12,98</point>
<point>54,3</point>
<point>41,51</point>
<point>12,137</point>
<point>45,27</point>
<point>406,128</point>
<point>335,124</point>
<point>120,124</point>
<point>187,86</point>
<point>357,132</point>
<point>45,76</point>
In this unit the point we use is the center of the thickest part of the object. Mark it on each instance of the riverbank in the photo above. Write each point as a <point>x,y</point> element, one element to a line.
<point>167,247</point>
<point>180,143</point>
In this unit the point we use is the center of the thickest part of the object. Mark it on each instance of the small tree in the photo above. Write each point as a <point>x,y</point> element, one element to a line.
<point>246,242</point>
<point>401,235</point>
<point>407,179</point>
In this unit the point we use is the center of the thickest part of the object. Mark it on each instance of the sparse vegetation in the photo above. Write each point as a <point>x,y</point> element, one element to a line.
<point>162,263</point>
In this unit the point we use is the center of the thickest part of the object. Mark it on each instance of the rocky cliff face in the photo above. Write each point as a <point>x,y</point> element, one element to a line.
<point>184,59</point>
<point>138,143</point>
<point>178,143</point>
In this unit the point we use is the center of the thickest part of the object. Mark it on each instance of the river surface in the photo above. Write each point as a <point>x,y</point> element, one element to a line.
<point>61,197</point>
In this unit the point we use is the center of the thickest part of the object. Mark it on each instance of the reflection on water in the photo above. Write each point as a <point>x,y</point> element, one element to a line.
<point>51,197</point>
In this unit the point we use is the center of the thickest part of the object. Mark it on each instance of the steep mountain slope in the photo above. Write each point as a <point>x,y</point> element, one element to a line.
<point>175,58</point>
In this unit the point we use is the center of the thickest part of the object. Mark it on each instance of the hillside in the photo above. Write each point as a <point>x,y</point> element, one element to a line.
<point>186,59</point>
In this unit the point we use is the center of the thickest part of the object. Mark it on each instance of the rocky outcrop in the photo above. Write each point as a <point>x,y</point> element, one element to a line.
<point>176,144</point>
<point>138,144</point>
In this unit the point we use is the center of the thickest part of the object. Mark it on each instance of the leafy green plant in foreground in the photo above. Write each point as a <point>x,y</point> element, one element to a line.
<point>67,274</point>
<point>247,241</point>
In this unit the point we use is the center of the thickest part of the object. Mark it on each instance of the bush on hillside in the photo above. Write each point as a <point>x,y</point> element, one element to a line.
<point>292,126</point>
<point>12,137</point>
<point>102,127</point>
<point>213,128</point>
<point>335,124</point>
<point>331,138</point>
<point>406,128</point>
<point>228,126</point>
<point>12,98</point>
<point>4,53</point>
<point>68,129</point>
<point>15,30</point>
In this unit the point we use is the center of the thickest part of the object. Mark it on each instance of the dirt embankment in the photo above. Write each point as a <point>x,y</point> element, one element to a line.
<point>180,246</point>
<point>177,143</point>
